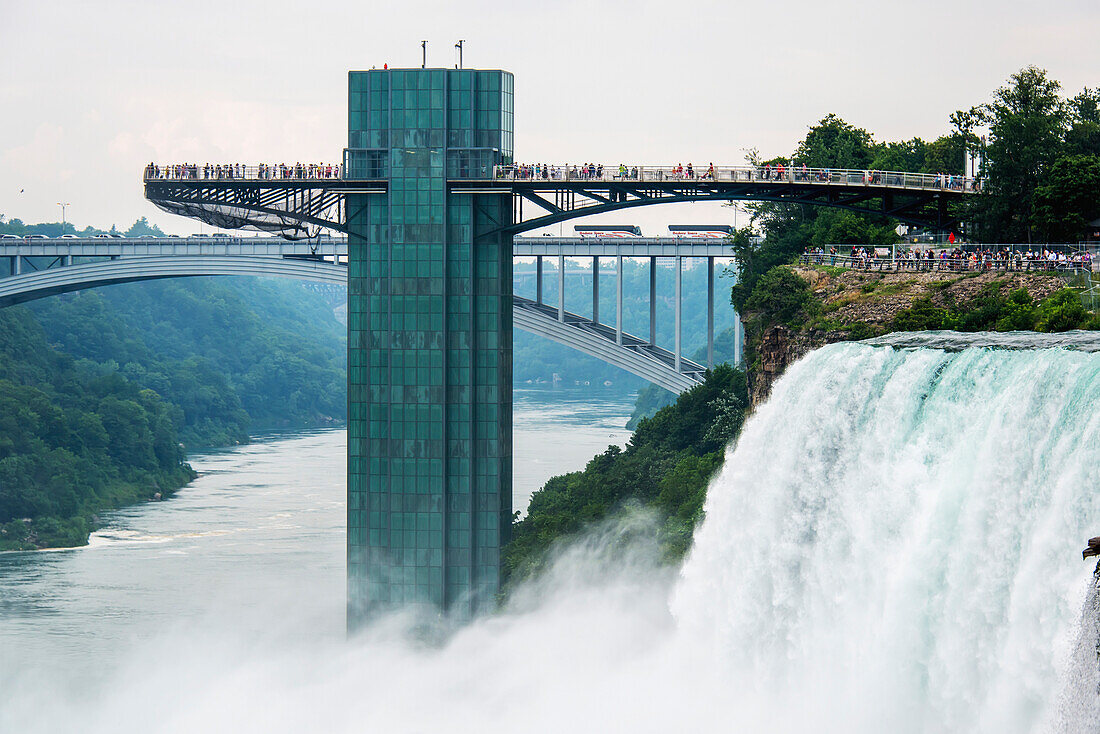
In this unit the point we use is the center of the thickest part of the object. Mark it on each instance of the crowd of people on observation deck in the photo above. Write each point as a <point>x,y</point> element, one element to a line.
<point>795,173</point>
<point>232,171</point>
<point>954,259</point>
<point>587,172</point>
<point>584,172</point>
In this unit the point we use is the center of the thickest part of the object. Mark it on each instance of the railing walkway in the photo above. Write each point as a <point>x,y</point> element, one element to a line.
<point>587,173</point>
<point>746,174</point>
<point>243,172</point>
<point>1021,264</point>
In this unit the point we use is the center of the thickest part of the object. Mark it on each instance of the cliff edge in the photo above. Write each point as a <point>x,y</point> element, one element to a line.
<point>840,304</point>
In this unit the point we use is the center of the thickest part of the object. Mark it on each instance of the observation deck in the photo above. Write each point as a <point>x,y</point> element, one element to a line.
<point>299,201</point>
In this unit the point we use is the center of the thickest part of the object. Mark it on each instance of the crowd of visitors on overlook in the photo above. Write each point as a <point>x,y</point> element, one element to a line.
<point>585,172</point>
<point>766,172</point>
<point>950,259</point>
<point>230,171</point>
<point>590,171</point>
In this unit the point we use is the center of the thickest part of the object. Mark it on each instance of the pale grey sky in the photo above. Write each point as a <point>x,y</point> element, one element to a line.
<point>93,91</point>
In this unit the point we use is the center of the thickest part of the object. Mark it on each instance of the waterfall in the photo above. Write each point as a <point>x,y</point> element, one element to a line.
<point>893,544</point>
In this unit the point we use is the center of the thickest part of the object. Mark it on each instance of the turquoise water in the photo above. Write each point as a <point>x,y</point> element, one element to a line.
<point>893,545</point>
<point>261,530</point>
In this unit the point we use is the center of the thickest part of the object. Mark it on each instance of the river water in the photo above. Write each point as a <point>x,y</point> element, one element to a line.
<point>893,545</point>
<point>262,528</point>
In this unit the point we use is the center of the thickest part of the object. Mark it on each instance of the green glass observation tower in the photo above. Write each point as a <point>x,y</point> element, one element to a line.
<point>429,226</point>
<point>429,339</point>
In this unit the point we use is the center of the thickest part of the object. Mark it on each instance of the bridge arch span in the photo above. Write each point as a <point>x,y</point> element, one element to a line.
<point>634,355</point>
<point>53,281</point>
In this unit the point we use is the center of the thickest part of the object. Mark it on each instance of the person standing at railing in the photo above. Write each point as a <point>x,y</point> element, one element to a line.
<point>690,171</point>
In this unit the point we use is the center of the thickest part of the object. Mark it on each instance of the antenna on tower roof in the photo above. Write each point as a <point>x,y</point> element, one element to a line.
<point>459,47</point>
<point>423,54</point>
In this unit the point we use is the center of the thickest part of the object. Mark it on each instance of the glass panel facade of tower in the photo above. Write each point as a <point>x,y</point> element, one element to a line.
<point>429,348</point>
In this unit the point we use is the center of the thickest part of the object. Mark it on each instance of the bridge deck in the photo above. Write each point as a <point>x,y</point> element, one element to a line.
<point>333,177</point>
<point>299,206</point>
<point>329,247</point>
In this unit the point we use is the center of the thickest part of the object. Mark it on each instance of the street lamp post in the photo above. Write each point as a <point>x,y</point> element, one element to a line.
<point>62,204</point>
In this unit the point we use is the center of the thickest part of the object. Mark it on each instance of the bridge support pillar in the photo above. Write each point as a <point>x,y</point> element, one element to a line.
<point>538,279</point>
<point>710,313</point>
<point>679,287</point>
<point>67,260</point>
<point>653,301</point>
<point>596,290</point>
<point>619,299</point>
<point>561,287</point>
<point>17,265</point>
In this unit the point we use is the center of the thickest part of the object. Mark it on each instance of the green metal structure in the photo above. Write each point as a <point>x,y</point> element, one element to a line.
<point>429,339</point>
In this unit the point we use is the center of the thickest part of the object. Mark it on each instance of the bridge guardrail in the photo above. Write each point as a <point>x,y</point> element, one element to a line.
<point>591,173</point>
<point>778,174</point>
<point>243,172</point>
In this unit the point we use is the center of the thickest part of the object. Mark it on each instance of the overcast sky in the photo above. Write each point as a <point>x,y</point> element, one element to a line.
<point>95,90</point>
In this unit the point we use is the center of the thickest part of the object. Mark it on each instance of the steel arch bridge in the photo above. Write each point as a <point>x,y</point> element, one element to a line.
<point>631,353</point>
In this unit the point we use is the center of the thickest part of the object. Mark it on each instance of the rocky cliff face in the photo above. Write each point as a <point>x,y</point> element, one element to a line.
<point>780,347</point>
<point>875,298</point>
<point>860,303</point>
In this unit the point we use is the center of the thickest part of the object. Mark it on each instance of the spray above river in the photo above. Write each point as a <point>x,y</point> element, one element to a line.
<point>891,546</point>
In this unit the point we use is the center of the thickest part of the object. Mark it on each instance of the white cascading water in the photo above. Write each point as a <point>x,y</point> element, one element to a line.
<point>892,546</point>
<point>894,543</point>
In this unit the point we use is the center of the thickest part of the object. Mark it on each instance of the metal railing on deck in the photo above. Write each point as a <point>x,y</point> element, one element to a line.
<point>888,264</point>
<point>591,172</point>
<point>242,172</point>
<point>778,174</point>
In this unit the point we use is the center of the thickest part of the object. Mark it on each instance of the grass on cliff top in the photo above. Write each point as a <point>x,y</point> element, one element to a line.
<point>992,308</point>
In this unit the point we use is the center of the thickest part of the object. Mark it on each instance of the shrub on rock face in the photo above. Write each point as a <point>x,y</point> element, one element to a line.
<point>779,293</point>
<point>665,467</point>
<point>1018,313</point>
<point>1062,311</point>
<point>923,315</point>
<point>859,331</point>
